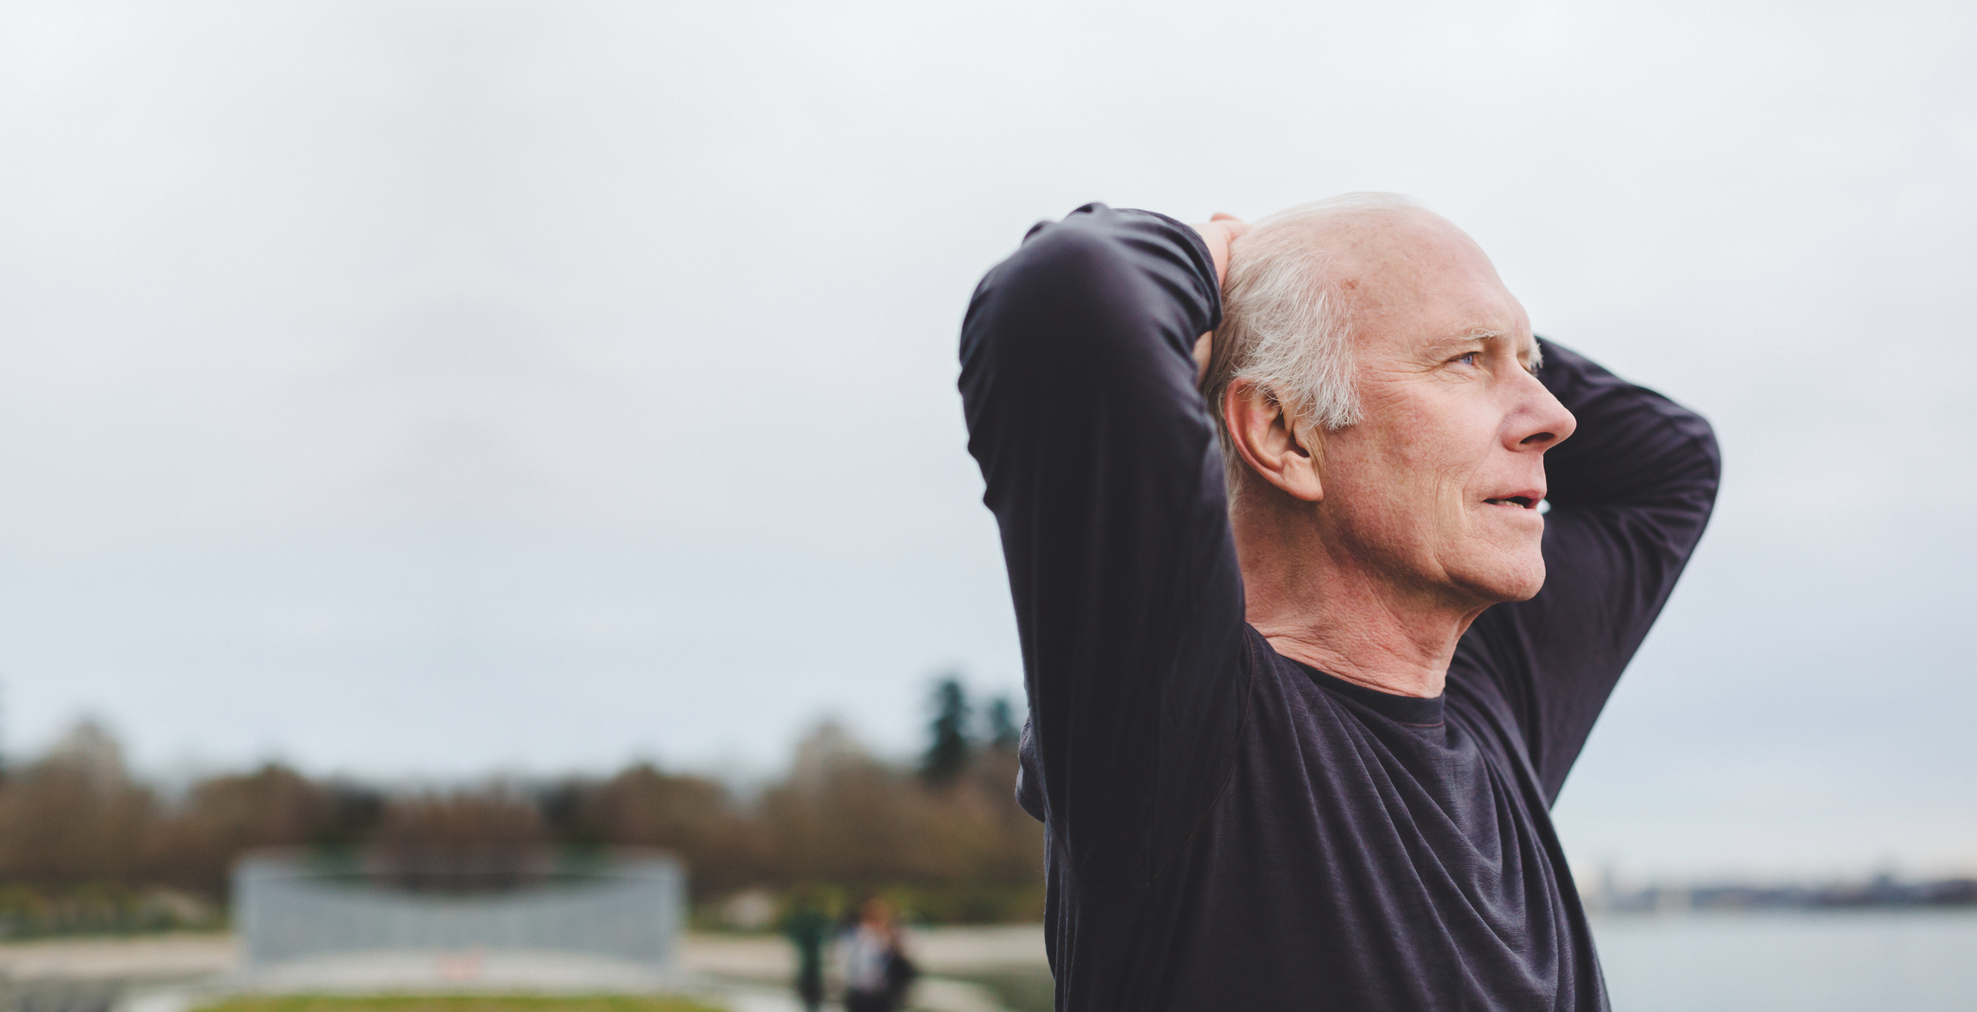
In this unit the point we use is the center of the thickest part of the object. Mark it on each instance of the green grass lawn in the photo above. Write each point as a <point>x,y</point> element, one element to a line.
<point>457,1003</point>
<point>1018,988</point>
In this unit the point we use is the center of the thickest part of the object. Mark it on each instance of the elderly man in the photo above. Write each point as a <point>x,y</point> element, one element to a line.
<point>1307,657</point>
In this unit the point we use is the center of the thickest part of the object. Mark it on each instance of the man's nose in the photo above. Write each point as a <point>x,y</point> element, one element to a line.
<point>1540,421</point>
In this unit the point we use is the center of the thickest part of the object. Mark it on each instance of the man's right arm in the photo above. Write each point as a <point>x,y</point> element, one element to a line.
<point>1078,379</point>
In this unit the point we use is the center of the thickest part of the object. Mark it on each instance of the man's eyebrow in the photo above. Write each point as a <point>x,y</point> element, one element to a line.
<point>1467,337</point>
<point>1531,361</point>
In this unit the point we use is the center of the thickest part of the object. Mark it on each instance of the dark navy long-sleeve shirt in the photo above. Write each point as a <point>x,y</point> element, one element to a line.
<point>1231,829</point>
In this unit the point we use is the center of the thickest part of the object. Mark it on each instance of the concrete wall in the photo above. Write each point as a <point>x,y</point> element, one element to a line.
<point>287,907</point>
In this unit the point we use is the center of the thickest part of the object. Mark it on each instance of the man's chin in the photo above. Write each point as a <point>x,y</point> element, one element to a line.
<point>1525,589</point>
<point>1509,580</point>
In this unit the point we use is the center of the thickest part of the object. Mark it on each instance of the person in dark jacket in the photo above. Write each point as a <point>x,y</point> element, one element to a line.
<point>808,929</point>
<point>878,976</point>
<point>1324,566</point>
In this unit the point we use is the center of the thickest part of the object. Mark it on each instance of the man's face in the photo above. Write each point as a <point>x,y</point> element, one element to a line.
<point>1437,487</point>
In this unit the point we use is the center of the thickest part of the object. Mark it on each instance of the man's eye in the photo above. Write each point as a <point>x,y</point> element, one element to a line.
<point>1469,359</point>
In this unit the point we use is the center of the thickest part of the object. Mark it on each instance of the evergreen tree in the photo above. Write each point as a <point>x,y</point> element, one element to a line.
<point>947,752</point>
<point>1003,731</point>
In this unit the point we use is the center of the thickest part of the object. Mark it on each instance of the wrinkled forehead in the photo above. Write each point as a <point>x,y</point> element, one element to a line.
<point>1408,274</point>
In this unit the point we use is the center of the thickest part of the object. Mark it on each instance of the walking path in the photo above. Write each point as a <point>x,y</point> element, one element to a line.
<point>750,972</point>
<point>152,957</point>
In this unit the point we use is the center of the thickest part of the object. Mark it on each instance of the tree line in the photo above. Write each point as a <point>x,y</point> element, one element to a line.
<point>85,845</point>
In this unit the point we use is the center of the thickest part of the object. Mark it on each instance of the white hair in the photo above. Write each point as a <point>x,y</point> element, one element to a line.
<point>1286,329</point>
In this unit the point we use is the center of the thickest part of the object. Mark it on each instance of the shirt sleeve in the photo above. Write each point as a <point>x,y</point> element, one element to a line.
<point>1077,378</point>
<point>1629,492</point>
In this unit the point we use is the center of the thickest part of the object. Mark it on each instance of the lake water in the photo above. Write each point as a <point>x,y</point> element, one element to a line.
<point>1774,961</point>
<point>1793,961</point>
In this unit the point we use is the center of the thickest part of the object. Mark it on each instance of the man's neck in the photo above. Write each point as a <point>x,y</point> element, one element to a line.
<point>1324,608</point>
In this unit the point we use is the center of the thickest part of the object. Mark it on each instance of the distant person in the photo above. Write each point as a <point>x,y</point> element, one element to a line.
<point>808,928</point>
<point>1307,660</point>
<point>877,973</point>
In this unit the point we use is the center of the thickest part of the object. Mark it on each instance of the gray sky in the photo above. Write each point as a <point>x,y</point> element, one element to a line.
<point>423,388</point>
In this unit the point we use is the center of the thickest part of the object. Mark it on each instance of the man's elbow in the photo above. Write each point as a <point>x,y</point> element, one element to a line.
<point>1073,265</point>
<point>1065,284</point>
<point>1704,471</point>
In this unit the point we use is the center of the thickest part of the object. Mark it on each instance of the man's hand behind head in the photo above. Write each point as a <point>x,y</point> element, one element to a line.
<point>1219,231</point>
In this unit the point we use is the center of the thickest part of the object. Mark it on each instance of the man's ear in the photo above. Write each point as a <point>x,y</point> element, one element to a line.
<point>1267,440</point>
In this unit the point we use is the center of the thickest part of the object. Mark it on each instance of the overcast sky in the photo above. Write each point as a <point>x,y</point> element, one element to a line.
<point>423,388</point>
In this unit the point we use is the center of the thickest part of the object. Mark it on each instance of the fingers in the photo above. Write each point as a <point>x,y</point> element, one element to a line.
<point>1221,230</point>
<point>1218,232</point>
<point>1230,223</point>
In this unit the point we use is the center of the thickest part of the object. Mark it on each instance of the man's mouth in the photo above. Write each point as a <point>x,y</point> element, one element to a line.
<point>1523,502</point>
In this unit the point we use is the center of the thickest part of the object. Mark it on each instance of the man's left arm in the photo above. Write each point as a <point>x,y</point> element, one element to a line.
<point>1629,494</point>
